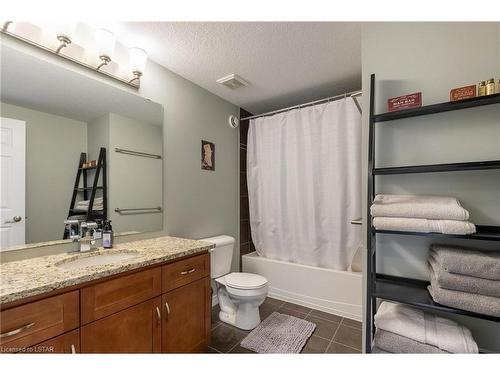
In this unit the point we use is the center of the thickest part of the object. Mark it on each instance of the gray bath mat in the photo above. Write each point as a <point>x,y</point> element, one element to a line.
<point>279,333</point>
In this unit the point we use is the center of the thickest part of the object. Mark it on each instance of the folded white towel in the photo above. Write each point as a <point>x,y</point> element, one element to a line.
<point>86,208</point>
<point>423,225</point>
<point>97,200</point>
<point>469,262</point>
<point>462,300</point>
<point>463,283</point>
<point>418,206</point>
<point>426,328</point>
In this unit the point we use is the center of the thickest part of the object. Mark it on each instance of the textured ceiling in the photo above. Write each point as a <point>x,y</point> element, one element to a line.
<point>286,63</point>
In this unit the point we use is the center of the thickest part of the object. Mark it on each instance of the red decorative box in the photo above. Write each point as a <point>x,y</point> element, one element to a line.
<point>405,102</point>
<point>461,93</point>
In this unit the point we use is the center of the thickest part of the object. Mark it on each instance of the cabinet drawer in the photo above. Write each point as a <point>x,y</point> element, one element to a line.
<point>30,324</point>
<point>69,343</point>
<point>185,271</point>
<point>111,296</point>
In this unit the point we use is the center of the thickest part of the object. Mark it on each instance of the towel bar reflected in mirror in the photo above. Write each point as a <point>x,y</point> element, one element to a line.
<point>140,210</point>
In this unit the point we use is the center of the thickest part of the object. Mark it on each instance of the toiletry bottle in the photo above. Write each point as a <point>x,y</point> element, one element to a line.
<point>481,90</point>
<point>98,233</point>
<point>107,235</point>
<point>98,230</point>
<point>490,86</point>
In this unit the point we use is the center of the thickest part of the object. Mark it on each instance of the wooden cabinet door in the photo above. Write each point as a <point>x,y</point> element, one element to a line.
<point>69,343</point>
<point>186,318</point>
<point>133,330</point>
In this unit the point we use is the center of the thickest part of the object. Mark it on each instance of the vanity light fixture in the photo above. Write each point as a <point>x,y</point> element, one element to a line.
<point>105,41</point>
<point>137,59</point>
<point>64,33</point>
<point>6,25</point>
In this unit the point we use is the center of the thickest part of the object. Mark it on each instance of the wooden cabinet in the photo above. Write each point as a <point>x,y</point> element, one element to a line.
<point>185,271</point>
<point>68,343</point>
<point>121,314</point>
<point>133,330</point>
<point>186,321</point>
<point>111,296</point>
<point>35,322</point>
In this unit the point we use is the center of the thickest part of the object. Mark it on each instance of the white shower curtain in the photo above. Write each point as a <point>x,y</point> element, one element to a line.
<point>304,184</point>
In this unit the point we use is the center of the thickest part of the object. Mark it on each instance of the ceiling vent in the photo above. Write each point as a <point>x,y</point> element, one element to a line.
<point>233,81</point>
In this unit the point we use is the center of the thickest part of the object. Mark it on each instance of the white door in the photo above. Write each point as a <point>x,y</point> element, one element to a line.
<point>12,184</point>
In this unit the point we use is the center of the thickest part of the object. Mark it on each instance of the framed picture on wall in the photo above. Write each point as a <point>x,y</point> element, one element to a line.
<point>207,155</point>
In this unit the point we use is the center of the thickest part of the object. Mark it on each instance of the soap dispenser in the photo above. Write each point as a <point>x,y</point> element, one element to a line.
<point>107,235</point>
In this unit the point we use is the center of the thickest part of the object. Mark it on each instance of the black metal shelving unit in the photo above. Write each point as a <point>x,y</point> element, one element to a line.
<point>89,192</point>
<point>399,289</point>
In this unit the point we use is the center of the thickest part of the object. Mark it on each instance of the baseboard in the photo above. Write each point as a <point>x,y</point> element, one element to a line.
<point>306,301</point>
<point>340,309</point>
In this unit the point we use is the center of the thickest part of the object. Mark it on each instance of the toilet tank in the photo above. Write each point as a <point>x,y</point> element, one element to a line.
<point>221,256</point>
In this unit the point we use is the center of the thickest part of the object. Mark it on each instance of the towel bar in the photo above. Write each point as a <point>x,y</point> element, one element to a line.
<point>137,210</point>
<point>137,153</point>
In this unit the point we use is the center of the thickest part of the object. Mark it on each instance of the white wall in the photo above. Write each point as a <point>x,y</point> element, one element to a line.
<point>434,58</point>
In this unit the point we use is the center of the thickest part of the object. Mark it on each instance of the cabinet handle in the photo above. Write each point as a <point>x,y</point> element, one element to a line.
<point>16,331</point>
<point>73,350</point>
<point>158,314</point>
<point>188,272</point>
<point>168,308</point>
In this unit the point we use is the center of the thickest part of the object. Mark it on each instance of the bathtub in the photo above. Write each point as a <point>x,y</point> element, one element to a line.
<point>335,292</point>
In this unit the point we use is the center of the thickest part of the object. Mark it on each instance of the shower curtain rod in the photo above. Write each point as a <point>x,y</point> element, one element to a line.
<point>352,94</point>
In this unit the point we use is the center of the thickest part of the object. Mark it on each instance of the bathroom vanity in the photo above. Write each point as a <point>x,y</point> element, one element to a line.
<point>149,296</point>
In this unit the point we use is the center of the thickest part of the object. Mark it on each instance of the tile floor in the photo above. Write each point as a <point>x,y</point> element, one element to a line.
<point>333,334</point>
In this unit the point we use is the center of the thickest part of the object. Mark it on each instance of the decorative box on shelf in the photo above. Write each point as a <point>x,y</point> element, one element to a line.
<point>405,102</point>
<point>461,93</point>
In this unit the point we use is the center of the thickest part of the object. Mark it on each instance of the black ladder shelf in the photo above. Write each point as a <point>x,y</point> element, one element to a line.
<point>89,192</point>
<point>400,289</point>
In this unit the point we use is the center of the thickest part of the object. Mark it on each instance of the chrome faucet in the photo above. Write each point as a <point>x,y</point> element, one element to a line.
<point>83,233</point>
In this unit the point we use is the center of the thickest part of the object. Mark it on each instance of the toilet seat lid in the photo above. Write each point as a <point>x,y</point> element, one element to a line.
<point>243,280</point>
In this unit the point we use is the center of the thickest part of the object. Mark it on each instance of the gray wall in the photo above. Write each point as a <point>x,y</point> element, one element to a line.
<point>50,168</point>
<point>97,135</point>
<point>197,203</point>
<point>434,58</point>
<point>134,181</point>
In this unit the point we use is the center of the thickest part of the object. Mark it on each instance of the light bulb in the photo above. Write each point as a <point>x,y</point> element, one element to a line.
<point>64,30</point>
<point>105,41</point>
<point>137,60</point>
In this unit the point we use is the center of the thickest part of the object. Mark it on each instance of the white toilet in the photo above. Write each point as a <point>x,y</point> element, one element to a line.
<point>240,294</point>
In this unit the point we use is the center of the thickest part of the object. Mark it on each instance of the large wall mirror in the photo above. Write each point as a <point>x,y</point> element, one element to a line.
<point>59,130</point>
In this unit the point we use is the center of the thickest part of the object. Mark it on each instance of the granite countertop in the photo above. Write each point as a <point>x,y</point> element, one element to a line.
<point>30,277</point>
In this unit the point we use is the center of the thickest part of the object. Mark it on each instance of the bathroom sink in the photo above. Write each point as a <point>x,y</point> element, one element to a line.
<point>100,259</point>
